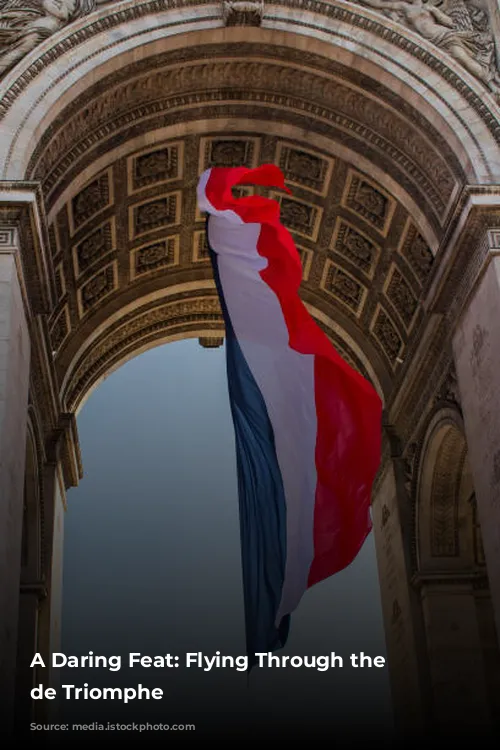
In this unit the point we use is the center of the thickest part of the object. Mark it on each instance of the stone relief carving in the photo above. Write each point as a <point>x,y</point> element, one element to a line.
<point>410,465</point>
<point>100,285</point>
<point>460,27</point>
<point>448,390</point>
<point>236,13</point>
<point>26,23</point>
<point>402,297</point>
<point>418,254</point>
<point>388,336</point>
<point>346,288</point>
<point>115,105</point>
<point>355,247</point>
<point>60,330</point>
<point>94,246</point>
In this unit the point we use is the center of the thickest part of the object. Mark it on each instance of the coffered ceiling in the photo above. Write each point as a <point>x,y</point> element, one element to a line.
<point>372,187</point>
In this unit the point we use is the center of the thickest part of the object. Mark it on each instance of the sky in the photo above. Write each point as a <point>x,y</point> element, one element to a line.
<point>152,566</point>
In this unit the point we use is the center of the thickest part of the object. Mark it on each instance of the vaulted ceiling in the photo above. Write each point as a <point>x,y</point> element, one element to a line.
<point>372,187</point>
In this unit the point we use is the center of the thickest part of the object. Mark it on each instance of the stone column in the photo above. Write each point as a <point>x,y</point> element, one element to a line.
<point>459,689</point>
<point>490,647</point>
<point>476,347</point>
<point>14,384</point>
<point>49,623</point>
<point>33,589</point>
<point>403,622</point>
<point>27,647</point>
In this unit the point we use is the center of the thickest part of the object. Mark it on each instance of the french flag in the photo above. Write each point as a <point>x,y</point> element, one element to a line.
<point>307,426</point>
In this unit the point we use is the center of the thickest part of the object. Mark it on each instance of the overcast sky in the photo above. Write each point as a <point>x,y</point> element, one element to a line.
<point>152,564</point>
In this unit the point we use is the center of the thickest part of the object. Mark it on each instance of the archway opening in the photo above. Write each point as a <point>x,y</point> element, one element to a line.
<point>152,562</point>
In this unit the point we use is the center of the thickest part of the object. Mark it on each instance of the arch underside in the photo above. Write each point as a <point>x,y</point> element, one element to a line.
<point>376,159</point>
<point>373,186</point>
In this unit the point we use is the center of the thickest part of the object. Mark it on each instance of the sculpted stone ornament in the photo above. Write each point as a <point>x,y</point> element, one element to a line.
<point>463,31</point>
<point>236,13</point>
<point>26,23</point>
<point>461,27</point>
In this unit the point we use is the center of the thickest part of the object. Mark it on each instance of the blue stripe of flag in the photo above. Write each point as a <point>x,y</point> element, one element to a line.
<point>262,504</point>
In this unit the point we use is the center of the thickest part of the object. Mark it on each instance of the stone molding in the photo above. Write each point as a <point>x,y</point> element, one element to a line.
<point>467,580</point>
<point>9,239</point>
<point>348,15</point>
<point>247,13</point>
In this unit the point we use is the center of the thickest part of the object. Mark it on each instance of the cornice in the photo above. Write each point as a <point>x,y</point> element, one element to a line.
<point>22,207</point>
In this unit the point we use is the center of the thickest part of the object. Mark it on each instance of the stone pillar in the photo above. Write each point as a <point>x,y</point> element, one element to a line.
<point>14,384</point>
<point>476,348</point>
<point>49,627</point>
<point>457,670</point>
<point>402,614</point>
<point>490,647</point>
<point>33,589</point>
<point>27,647</point>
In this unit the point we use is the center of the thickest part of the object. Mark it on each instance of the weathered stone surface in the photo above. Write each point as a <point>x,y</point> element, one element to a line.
<point>477,356</point>
<point>14,380</point>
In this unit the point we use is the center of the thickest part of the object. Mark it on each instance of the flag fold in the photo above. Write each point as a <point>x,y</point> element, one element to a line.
<point>307,426</point>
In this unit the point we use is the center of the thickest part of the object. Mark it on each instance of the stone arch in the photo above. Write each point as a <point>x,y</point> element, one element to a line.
<point>126,82</point>
<point>445,535</point>
<point>115,344</point>
<point>397,139</point>
<point>452,581</point>
<point>389,51</point>
<point>407,182</point>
